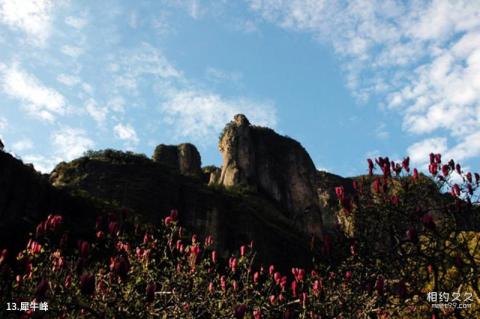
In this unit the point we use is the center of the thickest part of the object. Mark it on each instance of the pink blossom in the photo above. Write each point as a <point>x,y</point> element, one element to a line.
<point>242,250</point>
<point>214,256</point>
<point>256,276</point>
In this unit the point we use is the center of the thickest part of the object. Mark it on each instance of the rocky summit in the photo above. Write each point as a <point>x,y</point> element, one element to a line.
<point>267,190</point>
<point>277,166</point>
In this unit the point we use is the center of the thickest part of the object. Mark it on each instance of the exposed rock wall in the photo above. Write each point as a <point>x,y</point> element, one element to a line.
<point>153,190</point>
<point>27,197</point>
<point>184,157</point>
<point>276,165</point>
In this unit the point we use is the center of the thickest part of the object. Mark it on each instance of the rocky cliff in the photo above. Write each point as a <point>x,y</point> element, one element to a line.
<point>27,197</point>
<point>184,157</point>
<point>153,189</point>
<point>267,190</point>
<point>276,166</point>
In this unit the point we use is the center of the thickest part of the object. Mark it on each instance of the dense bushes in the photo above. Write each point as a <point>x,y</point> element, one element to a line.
<point>115,156</point>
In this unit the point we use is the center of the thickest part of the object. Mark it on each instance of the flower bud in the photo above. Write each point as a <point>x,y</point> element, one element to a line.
<point>150,292</point>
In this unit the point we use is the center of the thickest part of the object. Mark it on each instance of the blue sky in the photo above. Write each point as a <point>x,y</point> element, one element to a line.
<point>349,80</point>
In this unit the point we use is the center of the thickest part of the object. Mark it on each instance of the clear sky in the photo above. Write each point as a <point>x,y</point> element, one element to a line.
<point>348,79</point>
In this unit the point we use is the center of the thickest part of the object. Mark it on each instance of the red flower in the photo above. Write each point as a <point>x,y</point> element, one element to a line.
<point>33,247</point>
<point>376,185</point>
<point>87,284</point>
<point>340,192</point>
<point>298,273</point>
<point>233,263</point>
<point>353,249</point>
<point>257,313</point>
<point>53,222</point>
<point>239,311</point>
<point>214,256</point>
<point>223,283</point>
<point>470,189</point>
<point>195,250</point>
<point>316,287</point>
<point>456,190</point>
<point>303,299</point>
<point>84,248</point>
<point>397,168</point>
<point>415,174</point>
<point>113,228</point>
<point>379,285</point>
<point>256,276</point>
<point>406,164</point>
<point>208,241</point>
<point>458,168</point>
<point>68,281</point>
<point>445,170</point>
<point>469,177</point>
<point>271,269</point>
<point>477,178</point>
<point>433,169</point>
<point>294,288</point>
<point>428,222</point>
<point>120,266</point>
<point>3,256</point>
<point>370,167</point>
<point>242,250</point>
<point>211,288</point>
<point>150,292</point>
<point>348,276</point>
<point>168,220</point>
<point>277,277</point>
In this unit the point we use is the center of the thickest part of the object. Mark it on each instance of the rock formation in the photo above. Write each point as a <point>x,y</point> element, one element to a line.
<point>276,166</point>
<point>27,197</point>
<point>153,190</point>
<point>214,177</point>
<point>184,157</point>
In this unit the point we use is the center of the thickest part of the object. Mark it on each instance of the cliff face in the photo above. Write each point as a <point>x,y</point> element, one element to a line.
<point>184,157</point>
<point>27,197</point>
<point>325,184</point>
<point>153,189</point>
<point>276,166</point>
<point>270,192</point>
